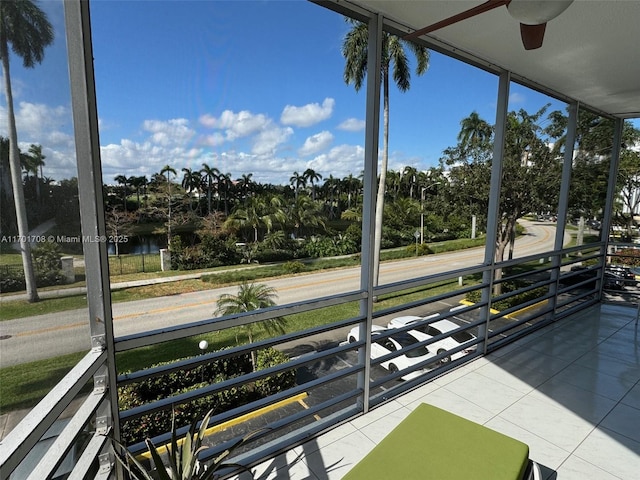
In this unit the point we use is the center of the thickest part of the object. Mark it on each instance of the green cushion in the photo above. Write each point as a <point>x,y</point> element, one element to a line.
<point>432,443</point>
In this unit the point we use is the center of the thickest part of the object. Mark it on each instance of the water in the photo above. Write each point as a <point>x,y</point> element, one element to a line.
<point>140,244</point>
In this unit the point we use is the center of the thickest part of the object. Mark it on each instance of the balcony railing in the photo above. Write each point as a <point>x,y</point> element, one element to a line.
<point>333,395</point>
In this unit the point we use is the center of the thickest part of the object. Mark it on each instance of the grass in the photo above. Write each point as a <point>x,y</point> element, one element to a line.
<point>22,386</point>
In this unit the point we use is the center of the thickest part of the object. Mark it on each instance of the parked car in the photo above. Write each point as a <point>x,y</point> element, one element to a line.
<point>625,274</point>
<point>611,282</point>
<point>425,331</point>
<point>384,345</point>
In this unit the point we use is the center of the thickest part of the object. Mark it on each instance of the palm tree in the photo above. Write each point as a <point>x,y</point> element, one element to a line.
<point>474,131</point>
<point>35,152</point>
<point>355,51</point>
<point>225,184</point>
<point>250,297</point>
<point>210,175</point>
<point>352,185</point>
<point>245,185</point>
<point>304,212</point>
<point>26,28</point>
<point>297,181</point>
<point>124,181</point>
<point>311,176</point>
<point>168,170</point>
<point>138,183</point>
<point>192,181</point>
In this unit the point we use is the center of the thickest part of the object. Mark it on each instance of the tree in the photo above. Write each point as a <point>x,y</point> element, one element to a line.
<point>210,175</point>
<point>37,162</point>
<point>118,226</point>
<point>124,181</point>
<point>26,28</point>
<point>355,50</point>
<point>139,183</point>
<point>192,181</point>
<point>474,132</point>
<point>250,297</point>
<point>168,170</point>
<point>629,187</point>
<point>297,181</point>
<point>311,176</point>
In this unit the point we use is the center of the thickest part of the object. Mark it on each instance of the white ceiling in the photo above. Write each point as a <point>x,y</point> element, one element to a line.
<point>591,52</point>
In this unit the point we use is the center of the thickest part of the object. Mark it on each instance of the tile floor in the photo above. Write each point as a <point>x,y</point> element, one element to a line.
<point>571,391</point>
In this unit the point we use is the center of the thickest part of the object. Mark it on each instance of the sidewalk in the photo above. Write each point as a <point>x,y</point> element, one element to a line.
<point>71,291</point>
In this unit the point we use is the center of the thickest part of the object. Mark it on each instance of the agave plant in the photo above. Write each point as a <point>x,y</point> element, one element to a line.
<point>183,463</point>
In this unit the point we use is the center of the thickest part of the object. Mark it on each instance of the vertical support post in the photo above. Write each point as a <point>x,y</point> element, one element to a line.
<point>494,201</point>
<point>611,193</point>
<point>563,202</point>
<point>85,122</point>
<point>372,133</point>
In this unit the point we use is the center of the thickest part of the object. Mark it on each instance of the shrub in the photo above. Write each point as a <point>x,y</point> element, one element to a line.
<point>46,262</point>
<point>11,281</point>
<point>293,267</point>
<point>278,382</point>
<point>423,249</point>
<point>628,256</point>
<point>182,381</point>
<point>512,301</point>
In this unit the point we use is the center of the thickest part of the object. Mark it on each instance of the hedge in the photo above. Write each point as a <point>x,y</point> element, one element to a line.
<point>181,381</point>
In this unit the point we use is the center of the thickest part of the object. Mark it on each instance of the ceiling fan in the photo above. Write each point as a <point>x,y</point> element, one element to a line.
<point>533,16</point>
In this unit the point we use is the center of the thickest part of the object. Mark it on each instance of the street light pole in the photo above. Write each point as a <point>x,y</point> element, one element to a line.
<point>422,215</point>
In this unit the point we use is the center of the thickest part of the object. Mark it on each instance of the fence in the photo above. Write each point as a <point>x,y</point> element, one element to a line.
<point>139,263</point>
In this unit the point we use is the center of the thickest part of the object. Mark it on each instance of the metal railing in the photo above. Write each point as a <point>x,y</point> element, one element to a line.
<point>491,329</point>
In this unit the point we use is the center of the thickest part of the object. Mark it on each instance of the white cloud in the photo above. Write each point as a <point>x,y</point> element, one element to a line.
<point>236,125</point>
<point>517,97</point>
<point>50,127</point>
<point>316,143</point>
<point>170,132</point>
<point>352,125</point>
<point>268,139</point>
<point>339,161</point>
<point>307,115</point>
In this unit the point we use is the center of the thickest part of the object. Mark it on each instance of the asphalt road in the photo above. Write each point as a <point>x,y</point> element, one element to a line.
<point>44,336</point>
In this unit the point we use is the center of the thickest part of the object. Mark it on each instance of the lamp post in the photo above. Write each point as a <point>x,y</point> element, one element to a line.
<point>203,345</point>
<point>422,215</point>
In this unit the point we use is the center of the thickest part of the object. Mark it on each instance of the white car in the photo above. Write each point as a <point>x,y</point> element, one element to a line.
<point>426,331</point>
<point>393,343</point>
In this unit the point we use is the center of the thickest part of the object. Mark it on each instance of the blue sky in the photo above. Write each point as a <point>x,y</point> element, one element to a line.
<point>247,87</point>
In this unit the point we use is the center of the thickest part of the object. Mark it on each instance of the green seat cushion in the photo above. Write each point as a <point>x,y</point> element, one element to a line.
<point>432,443</point>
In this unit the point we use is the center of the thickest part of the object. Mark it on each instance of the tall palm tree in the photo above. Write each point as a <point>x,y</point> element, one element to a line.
<point>355,50</point>
<point>26,28</point>
<point>35,152</point>
<point>353,186</point>
<point>297,181</point>
<point>474,131</point>
<point>124,181</point>
<point>311,176</point>
<point>168,170</point>
<point>250,297</point>
<point>245,185</point>
<point>191,182</point>
<point>225,184</point>
<point>210,176</point>
<point>138,183</point>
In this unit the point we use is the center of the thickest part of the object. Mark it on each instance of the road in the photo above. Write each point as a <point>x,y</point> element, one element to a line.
<point>45,336</point>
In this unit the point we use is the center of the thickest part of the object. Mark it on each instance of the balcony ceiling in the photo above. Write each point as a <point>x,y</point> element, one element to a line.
<point>591,52</point>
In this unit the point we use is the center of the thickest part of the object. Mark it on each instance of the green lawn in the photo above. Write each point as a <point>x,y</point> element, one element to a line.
<point>24,385</point>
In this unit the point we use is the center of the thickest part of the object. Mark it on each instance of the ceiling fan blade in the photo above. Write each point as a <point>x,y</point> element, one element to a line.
<point>472,12</point>
<point>532,35</point>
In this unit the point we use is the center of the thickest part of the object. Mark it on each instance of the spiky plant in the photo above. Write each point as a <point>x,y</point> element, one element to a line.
<point>182,457</point>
